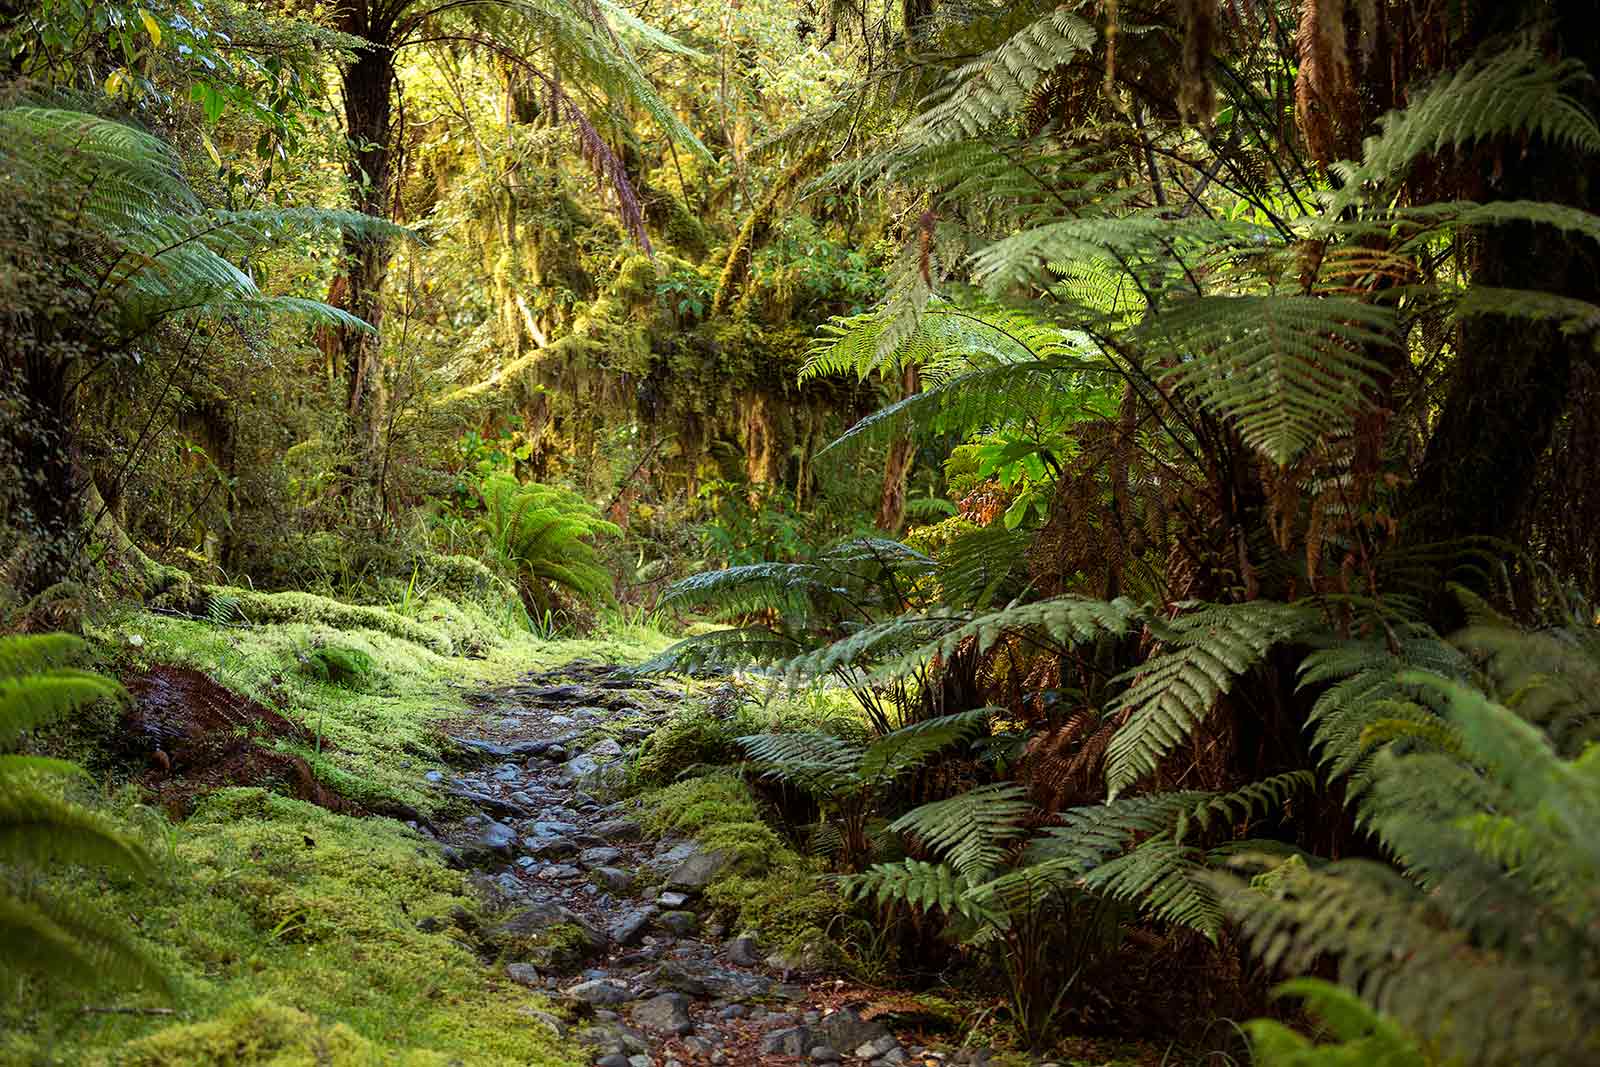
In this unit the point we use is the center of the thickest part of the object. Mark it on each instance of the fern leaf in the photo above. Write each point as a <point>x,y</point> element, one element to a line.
<point>911,746</point>
<point>972,830</point>
<point>1170,694</point>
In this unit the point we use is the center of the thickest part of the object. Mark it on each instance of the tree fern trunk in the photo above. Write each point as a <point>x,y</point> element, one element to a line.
<point>1511,379</point>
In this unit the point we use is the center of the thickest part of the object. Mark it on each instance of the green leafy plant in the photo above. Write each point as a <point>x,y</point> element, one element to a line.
<point>847,777</point>
<point>1480,944</point>
<point>544,536</point>
<point>48,930</point>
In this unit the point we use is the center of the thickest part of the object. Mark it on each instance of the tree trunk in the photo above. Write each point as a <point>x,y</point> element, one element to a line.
<point>1510,383</point>
<point>896,468</point>
<point>368,104</point>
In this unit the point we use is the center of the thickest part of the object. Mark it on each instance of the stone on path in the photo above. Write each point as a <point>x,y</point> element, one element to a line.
<point>698,869</point>
<point>664,1012</point>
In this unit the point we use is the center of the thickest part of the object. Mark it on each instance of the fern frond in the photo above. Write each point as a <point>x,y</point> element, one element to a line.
<point>1518,92</point>
<point>987,91</point>
<point>1069,620</point>
<point>972,830</point>
<point>817,762</point>
<point>907,748</point>
<point>925,886</point>
<point>1286,370</point>
<point>1170,694</point>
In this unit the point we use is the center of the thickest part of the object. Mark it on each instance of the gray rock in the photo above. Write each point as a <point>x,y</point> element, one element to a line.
<point>698,870</point>
<point>607,749</point>
<point>548,935</point>
<point>580,767</point>
<point>555,753</point>
<point>667,1013</point>
<point>523,798</point>
<point>891,1058</point>
<point>672,900</point>
<point>612,878</point>
<point>847,1029</point>
<point>699,1046</point>
<point>794,1041</point>
<point>670,854</point>
<point>550,848</point>
<point>631,924</point>
<point>498,836</point>
<point>641,1060</point>
<point>878,1046</point>
<point>552,828</point>
<point>433,776</point>
<point>620,830</point>
<point>524,974</point>
<point>825,1054</point>
<point>678,923</point>
<point>598,991</point>
<point>508,774</point>
<point>604,856</point>
<point>489,802</point>
<point>733,1011</point>
<point>558,871</point>
<point>743,951</point>
<point>612,1059</point>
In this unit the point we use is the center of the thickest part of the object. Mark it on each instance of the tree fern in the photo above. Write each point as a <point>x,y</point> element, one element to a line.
<point>987,90</point>
<point>1170,694</point>
<point>44,929</point>
<point>544,535</point>
<point>1287,370</point>
<point>971,830</point>
<point>1494,902</point>
<point>1517,92</point>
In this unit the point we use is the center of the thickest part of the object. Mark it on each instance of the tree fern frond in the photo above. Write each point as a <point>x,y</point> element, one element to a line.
<point>925,886</point>
<point>1170,694</point>
<point>1286,369</point>
<point>719,650</point>
<point>972,830</point>
<point>990,89</point>
<point>1517,92</point>
<point>909,747</point>
<point>1069,620</point>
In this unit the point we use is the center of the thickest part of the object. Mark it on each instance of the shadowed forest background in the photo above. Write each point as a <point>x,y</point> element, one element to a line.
<point>1083,518</point>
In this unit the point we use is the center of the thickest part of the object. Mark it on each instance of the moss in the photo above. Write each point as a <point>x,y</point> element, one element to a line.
<point>298,936</point>
<point>265,1033</point>
<point>559,948</point>
<point>692,738</point>
<point>348,668</point>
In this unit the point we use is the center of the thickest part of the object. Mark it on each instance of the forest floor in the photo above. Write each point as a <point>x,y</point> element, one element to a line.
<point>452,868</point>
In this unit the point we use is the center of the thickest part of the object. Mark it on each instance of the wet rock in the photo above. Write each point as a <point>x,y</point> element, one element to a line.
<point>733,1011</point>
<point>620,830</point>
<point>490,802</point>
<point>494,750</point>
<point>550,848</point>
<point>678,923</point>
<point>847,1029</point>
<point>825,1054</point>
<point>552,828</point>
<point>607,749</point>
<point>793,1041</point>
<point>698,870</point>
<point>742,950</point>
<point>580,767</point>
<point>598,991</point>
<point>498,837</point>
<point>547,935</point>
<point>525,974</point>
<point>631,925</point>
<point>667,1013</point>
<point>613,1059</point>
<point>558,871</point>
<point>672,900</point>
<point>603,856</point>
<point>612,878</point>
<point>878,1046</point>
<point>556,753</point>
<point>433,776</point>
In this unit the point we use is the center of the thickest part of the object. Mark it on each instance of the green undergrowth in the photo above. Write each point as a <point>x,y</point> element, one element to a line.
<point>372,740</point>
<point>292,935</point>
<point>767,888</point>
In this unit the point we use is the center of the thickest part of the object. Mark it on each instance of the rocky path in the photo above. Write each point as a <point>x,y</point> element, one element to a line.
<point>608,921</point>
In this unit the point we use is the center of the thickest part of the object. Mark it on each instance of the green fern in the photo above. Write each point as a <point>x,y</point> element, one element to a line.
<point>1494,902</point>
<point>1170,694</point>
<point>543,535</point>
<point>1288,370</point>
<point>1518,92</point>
<point>44,929</point>
<point>972,830</point>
